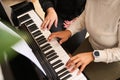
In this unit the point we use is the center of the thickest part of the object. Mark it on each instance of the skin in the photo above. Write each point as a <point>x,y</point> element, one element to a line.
<point>52,18</point>
<point>81,60</point>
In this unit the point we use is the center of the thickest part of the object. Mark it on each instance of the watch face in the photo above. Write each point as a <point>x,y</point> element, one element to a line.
<point>96,53</point>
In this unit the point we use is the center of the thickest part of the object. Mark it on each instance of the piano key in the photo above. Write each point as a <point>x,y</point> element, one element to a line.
<point>29,22</point>
<point>32,27</point>
<point>49,56</point>
<point>63,74</point>
<point>58,65</point>
<point>44,46</point>
<point>37,33</point>
<point>40,38</point>
<point>47,48</point>
<point>52,58</point>
<point>47,45</point>
<point>66,77</point>
<point>56,62</point>
<point>62,70</point>
<point>49,52</point>
<point>23,18</point>
<point>42,42</point>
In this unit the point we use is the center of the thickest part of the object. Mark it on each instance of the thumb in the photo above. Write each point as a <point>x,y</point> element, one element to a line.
<point>61,41</point>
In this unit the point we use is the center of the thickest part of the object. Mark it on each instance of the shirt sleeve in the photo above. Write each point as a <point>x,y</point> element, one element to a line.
<point>45,4</point>
<point>110,55</point>
<point>78,24</point>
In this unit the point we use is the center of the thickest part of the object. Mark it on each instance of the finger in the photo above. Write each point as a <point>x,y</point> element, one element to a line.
<point>42,25</point>
<point>68,22</point>
<point>46,24</point>
<point>51,36</point>
<point>70,55</point>
<point>81,69</point>
<point>70,63</point>
<point>56,22</point>
<point>50,24</point>
<point>76,66</point>
<point>74,57</point>
<point>61,41</point>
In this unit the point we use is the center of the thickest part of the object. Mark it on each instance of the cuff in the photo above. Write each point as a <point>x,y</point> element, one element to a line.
<point>102,56</point>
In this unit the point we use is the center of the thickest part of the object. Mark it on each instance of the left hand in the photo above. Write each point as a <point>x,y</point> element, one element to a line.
<point>67,23</point>
<point>81,60</point>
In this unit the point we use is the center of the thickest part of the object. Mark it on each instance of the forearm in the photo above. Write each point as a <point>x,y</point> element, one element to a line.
<point>45,4</point>
<point>108,55</point>
<point>78,24</point>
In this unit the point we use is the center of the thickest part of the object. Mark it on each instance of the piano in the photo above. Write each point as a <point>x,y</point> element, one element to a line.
<point>50,55</point>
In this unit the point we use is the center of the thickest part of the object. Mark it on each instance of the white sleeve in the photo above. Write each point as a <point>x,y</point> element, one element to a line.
<point>110,55</point>
<point>78,24</point>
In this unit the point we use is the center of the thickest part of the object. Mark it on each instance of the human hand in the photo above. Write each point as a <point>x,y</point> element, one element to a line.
<point>81,60</point>
<point>50,19</point>
<point>67,22</point>
<point>62,35</point>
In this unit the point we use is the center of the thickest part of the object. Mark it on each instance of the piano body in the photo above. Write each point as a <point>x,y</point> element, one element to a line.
<point>50,55</point>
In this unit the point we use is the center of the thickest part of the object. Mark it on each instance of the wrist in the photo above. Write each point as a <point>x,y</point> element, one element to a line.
<point>69,32</point>
<point>50,10</point>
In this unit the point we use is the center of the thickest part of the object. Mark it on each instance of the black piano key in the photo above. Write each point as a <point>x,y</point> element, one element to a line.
<point>66,77</point>
<point>49,56</point>
<point>64,73</point>
<point>44,46</point>
<point>56,62</point>
<point>29,22</point>
<point>57,66</point>
<point>40,38</point>
<point>23,18</point>
<point>32,27</point>
<point>37,33</point>
<point>47,48</point>
<point>42,42</point>
<point>51,51</point>
<point>62,70</point>
<point>54,57</point>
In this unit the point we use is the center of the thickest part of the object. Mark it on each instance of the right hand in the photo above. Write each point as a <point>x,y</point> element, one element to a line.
<point>50,19</point>
<point>62,35</point>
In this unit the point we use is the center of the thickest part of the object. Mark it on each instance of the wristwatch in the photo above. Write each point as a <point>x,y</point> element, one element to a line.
<point>96,54</point>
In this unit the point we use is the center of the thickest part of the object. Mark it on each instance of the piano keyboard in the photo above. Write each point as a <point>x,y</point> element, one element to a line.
<point>53,51</point>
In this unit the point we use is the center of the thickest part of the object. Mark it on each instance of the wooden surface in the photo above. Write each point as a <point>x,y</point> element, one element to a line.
<point>38,8</point>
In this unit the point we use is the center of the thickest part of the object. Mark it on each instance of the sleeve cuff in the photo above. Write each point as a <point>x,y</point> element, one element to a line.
<point>102,57</point>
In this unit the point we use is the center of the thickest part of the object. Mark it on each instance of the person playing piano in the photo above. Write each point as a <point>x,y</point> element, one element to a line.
<point>59,14</point>
<point>99,55</point>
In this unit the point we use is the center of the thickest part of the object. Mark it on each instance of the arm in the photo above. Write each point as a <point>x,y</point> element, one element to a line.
<point>51,15</point>
<point>78,24</point>
<point>45,4</point>
<point>74,27</point>
<point>107,55</point>
<point>111,54</point>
